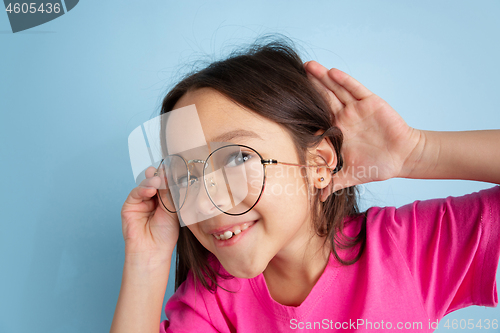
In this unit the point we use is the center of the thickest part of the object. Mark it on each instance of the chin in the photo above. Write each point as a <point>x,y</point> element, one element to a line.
<point>248,272</point>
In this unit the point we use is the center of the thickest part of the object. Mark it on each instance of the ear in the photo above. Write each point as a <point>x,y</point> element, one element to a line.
<point>324,156</point>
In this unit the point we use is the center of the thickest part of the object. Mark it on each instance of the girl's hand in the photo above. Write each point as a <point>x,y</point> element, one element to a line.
<point>377,141</point>
<point>149,230</point>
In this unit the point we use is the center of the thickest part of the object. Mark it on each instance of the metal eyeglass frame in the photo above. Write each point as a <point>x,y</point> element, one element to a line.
<point>265,162</point>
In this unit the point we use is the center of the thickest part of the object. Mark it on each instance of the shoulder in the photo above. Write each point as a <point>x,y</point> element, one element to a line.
<point>417,223</point>
<point>481,203</point>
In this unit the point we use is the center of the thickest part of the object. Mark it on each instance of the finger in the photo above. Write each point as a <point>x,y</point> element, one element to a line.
<point>356,89</point>
<point>335,104</point>
<point>321,73</point>
<point>150,172</point>
<point>140,194</point>
<point>151,182</point>
<point>145,191</point>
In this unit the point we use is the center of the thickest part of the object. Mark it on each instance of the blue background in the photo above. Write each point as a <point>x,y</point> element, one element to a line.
<point>71,91</point>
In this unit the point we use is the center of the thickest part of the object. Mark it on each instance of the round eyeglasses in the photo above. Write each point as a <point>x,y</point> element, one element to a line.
<point>233,177</point>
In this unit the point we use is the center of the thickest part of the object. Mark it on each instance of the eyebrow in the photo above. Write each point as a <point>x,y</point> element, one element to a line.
<point>240,133</point>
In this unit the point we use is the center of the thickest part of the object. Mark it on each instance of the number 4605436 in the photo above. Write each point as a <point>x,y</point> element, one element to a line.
<point>26,8</point>
<point>471,324</point>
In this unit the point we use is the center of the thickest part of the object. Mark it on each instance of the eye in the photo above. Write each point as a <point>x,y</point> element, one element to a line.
<point>182,182</point>
<point>237,159</point>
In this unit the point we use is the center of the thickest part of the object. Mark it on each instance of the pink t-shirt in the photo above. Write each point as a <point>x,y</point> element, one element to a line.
<point>421,262</point>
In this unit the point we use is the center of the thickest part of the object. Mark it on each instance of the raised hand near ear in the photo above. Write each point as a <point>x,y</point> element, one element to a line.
<point>377,140</point>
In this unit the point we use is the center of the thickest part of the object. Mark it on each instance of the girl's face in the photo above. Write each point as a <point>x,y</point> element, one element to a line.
<point>279,225</point>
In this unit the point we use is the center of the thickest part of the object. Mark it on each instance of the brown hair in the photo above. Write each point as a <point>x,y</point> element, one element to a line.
<point>269,78</point>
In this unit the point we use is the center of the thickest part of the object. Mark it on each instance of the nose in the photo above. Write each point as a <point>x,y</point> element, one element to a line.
<point>219,199</point>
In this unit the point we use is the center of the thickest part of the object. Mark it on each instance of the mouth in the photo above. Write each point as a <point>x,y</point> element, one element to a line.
<point>228,237</point>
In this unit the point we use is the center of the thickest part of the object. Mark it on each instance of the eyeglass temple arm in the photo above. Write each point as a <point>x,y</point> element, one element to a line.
<point>333,171</point>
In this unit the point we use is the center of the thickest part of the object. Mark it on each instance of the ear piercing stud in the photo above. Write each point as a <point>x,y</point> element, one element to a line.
<point>321,179</point>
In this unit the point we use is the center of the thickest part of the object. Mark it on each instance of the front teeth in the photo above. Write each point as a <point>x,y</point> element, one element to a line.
<point>229,234</point>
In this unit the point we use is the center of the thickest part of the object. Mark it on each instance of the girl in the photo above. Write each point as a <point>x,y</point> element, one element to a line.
<point>304,257</point>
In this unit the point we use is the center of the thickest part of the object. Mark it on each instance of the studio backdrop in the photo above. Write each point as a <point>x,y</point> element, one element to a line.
<point>76,81</point>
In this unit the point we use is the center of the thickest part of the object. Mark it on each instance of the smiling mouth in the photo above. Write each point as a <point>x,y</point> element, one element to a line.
<point>228,234</point>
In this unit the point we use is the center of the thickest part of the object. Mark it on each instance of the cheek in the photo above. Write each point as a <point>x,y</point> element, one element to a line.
<point>285,193</point>
<point>200,236</point>
<point>287,183</point>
